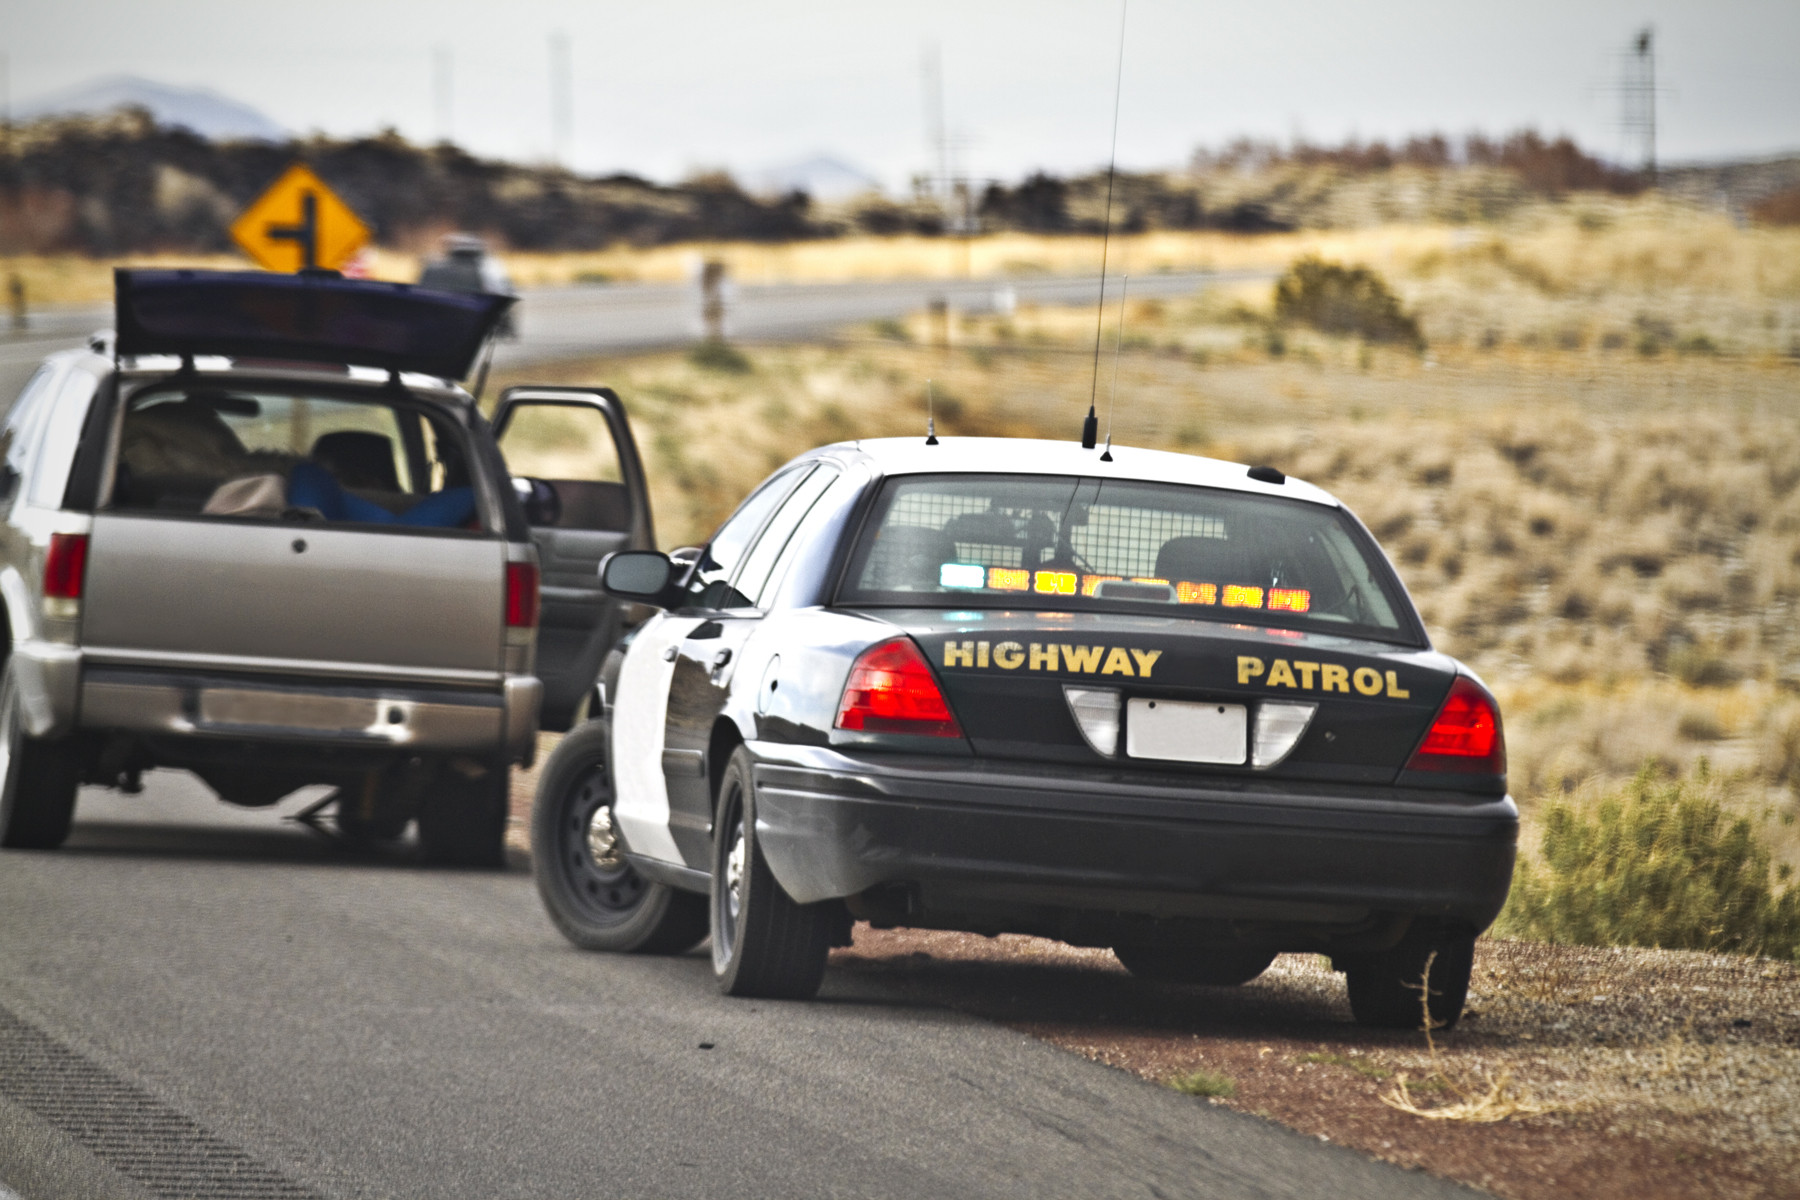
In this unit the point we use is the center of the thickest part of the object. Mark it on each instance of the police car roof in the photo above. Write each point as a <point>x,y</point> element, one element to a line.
<point>1037,456</point>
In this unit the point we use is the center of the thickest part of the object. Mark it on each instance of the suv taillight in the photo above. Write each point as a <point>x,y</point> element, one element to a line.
<point>521,595</point>
<point>1465,737</point>
<point>65,566</point>
<point>892,690</point>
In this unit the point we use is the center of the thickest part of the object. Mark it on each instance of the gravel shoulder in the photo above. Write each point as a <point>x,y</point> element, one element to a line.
<point>1653,1073</point>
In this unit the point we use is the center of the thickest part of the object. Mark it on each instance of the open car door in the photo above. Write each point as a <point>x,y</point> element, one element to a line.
<point>573,447</point>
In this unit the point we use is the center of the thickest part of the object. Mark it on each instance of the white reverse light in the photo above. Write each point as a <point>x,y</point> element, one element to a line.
<point>1279,724</point>
<point>1096,712</point>
<point>962,575</point>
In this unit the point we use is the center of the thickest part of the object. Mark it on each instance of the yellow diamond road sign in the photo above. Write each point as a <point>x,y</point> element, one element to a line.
<point>299,222</point>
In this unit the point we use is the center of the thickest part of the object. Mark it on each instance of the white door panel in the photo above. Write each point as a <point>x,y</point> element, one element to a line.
<point>640,710</point>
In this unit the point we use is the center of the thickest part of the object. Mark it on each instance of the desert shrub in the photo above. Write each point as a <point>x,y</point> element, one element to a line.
<point>1204,1083</point>
<point>1658,862</point>
<point>1336,299</point>
<point>715,355</point>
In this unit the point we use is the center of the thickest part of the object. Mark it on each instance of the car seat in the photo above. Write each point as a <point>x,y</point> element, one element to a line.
<point>358,459</point>
<point>1211,560</point>
<point>906,558</point>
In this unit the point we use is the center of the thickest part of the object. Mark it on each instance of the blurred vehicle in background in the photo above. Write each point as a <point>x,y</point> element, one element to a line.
<point>466,266</point>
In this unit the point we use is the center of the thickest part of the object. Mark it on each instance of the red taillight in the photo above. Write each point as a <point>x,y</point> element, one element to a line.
<point>521,595</point>
<point>1465,737</point>
<point>892,690</point>
<point>65,566</point>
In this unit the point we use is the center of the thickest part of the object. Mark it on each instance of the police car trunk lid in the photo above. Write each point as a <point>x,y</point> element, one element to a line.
<point>1009,675</point>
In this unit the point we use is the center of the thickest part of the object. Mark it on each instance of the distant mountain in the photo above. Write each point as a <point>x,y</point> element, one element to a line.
<point>201,110</point>
<point>822,177</point>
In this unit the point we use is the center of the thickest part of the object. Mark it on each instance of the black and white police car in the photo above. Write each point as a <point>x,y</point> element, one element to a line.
<point>1154,702</point>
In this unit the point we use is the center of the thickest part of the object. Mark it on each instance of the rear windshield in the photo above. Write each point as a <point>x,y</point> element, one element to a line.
<point>279,455</point>
<point>1059,542</point>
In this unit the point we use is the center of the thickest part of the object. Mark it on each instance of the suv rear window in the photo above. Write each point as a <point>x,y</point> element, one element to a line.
<point>1061,542</point>
<point>219,451</point>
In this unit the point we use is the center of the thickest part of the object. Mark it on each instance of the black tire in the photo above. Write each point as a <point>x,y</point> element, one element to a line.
<point>593,896</point>
<point>38,779</point>
<point>763,944</point>
<point>1384,988</point>
<point>362,824</point>
<point>1213,966</point>
<point>462,821</point>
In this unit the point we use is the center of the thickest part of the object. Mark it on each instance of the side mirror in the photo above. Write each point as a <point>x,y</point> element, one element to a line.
<point>639,575</point>
<point>543,507</point>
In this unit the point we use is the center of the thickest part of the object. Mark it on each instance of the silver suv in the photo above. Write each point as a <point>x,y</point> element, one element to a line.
<point>260,536</point>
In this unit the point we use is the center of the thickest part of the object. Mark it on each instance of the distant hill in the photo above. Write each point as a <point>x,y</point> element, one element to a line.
<point>822,177</point>
<point>199,110</point>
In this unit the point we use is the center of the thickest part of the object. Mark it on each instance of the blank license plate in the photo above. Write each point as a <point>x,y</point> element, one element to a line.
<point>285,710</point>
<point>1183,731</point>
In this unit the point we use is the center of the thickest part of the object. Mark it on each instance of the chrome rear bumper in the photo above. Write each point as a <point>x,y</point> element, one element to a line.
<point>365,714</point>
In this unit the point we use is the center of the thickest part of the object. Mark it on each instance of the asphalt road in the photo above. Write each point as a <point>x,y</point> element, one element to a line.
<point>196,1000</point>
<point>563,323</point>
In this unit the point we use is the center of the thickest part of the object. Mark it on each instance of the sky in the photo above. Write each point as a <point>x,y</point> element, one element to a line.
<point>664,88</point>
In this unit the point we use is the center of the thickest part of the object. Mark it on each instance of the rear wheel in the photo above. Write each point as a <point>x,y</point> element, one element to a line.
<point>38,779</point>
<point>462,822</point>
<point>593,896</point>
<point>763,944</point>
<point>372,813</point>
<point>1216,967</point>
<point>1385,988</point>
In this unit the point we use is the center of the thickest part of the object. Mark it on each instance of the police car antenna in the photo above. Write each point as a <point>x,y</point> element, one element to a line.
<point>930,415</point>
<point>1112,392</point>
<point>1090,427</point>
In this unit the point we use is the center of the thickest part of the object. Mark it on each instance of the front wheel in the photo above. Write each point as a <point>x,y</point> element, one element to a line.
<point>593,896</point>
<point>763,944</point>
<point>1386,988</point>
<point>1220,967</point>
<point>38,779</point>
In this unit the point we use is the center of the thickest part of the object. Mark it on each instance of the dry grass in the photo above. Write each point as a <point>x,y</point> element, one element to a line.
<point>1475,1095</point>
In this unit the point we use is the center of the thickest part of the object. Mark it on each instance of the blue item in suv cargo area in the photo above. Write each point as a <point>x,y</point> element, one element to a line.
<point>311,486</point>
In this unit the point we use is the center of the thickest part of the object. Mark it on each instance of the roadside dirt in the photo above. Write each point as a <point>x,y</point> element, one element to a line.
<point>1660,1074</point>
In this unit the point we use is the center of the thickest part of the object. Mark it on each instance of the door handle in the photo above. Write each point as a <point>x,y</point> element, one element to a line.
<point>721,658</point>
<point>669,653</point>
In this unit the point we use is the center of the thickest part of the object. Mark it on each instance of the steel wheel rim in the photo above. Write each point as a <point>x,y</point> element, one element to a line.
<point>734,873</point>
<point>601,878</point>
<point>9,732</point>
<point>728,900</point>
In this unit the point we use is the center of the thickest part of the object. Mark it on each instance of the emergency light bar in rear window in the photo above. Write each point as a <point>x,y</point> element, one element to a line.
<point>975,577</point>
<point>1061,542</point>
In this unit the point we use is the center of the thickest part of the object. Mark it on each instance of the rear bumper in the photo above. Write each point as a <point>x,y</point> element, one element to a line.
<point>1036,848</point>
<point>366,715</point>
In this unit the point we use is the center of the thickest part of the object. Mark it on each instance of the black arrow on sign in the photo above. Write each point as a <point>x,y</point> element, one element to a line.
<point>305,234</point>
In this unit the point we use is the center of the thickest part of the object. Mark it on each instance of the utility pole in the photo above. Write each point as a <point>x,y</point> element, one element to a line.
<point>562,100</point>
<point>444,88</point>
<point>937,140</point>
<point>1637,92</point>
